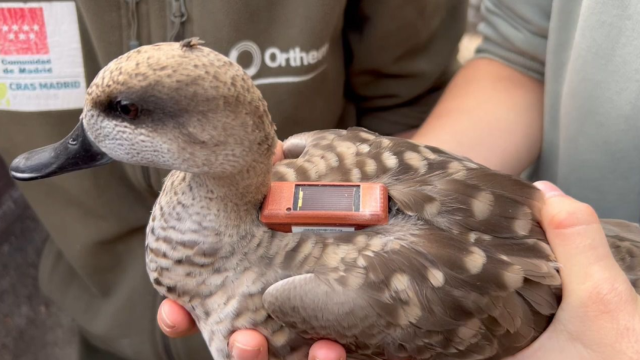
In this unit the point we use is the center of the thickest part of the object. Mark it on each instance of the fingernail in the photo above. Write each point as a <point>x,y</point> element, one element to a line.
<point>242,352</point>
<point>549,189</point>
<point>165,320</point>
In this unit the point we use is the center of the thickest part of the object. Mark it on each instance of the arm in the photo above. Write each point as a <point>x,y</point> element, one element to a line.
<point>492,111</point>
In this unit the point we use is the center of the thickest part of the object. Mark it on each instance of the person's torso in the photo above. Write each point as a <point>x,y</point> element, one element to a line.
<point>591,145</point>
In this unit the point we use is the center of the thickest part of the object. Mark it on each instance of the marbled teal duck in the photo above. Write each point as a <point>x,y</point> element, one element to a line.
<point>461,271</point>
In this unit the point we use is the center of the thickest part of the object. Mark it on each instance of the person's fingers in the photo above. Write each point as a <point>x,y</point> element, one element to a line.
<point>327,350</point>
<point>174,320</point>
<point>248,345</point>
<point>279,153</point>
<point>578,241</point>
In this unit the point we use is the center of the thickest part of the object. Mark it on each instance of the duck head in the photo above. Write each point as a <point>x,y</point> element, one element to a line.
<point>177,106</point>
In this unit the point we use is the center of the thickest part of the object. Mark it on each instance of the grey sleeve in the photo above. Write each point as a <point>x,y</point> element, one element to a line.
<point>515,33</point>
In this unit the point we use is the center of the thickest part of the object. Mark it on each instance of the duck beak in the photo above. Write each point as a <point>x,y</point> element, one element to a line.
<point>73,153</point>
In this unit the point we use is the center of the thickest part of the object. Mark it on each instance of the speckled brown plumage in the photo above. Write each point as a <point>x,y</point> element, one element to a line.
<point>462,271</point>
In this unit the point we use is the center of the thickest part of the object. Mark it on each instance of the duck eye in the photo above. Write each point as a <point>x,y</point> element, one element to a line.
<point>127,109</point>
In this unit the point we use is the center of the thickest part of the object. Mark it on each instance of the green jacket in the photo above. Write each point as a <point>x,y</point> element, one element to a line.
<point>320,64</point>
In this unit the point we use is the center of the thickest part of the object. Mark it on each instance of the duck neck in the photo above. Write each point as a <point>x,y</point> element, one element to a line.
<point>222,209</point>
<point>233,201</point>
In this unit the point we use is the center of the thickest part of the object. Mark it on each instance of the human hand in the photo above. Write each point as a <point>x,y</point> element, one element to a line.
<point>599,316</point>
<point>176,322</point>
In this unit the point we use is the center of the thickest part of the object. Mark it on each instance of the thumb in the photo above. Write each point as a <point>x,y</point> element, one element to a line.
<point>578,241</point>
<point>248,345</point>
<point>279,152</point>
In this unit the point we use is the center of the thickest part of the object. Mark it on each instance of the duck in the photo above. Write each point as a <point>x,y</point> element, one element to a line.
<point>461,270</point>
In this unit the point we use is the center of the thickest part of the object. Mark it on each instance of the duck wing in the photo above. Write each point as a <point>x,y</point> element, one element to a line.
<point>463,270</point>
<point>624,242</point>
<point>411,289</point>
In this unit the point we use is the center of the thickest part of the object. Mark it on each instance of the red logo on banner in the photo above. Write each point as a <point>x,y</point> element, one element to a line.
<point>22,32</point>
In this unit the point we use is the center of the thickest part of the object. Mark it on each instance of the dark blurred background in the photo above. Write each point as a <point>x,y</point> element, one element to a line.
<point>31,328</point>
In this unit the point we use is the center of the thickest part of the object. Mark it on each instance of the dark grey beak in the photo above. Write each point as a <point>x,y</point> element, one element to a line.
<point>75,152</point>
